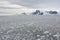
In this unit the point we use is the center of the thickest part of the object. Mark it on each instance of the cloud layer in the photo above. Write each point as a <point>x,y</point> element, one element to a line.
<point>8,8</point>
<point>37,3</point>
<point>19,6</point>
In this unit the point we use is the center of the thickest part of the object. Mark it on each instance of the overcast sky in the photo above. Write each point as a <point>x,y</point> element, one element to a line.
<point>36,3</point>
<point>15,6</point>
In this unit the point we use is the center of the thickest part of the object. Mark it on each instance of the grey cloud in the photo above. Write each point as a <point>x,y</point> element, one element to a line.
<point>8,8</point>
<point>3,12</point>
<point>37,3</point>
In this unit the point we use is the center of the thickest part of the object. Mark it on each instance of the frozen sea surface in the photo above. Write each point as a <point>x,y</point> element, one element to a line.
<point>27,27</point>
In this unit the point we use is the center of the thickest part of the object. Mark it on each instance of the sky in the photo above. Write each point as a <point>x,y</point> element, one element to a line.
<point>19,6</point>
